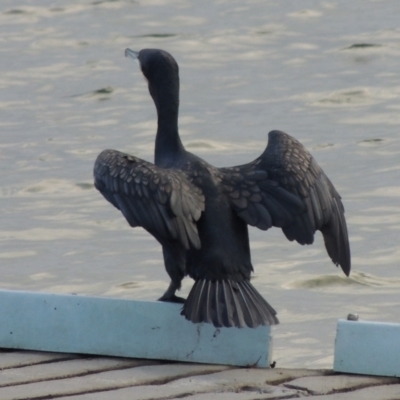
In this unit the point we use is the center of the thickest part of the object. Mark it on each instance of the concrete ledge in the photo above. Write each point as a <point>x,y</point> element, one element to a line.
<point>126,328</point>
<point>370,348</point>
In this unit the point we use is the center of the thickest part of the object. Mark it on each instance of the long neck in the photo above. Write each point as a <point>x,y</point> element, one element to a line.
<point>168,143</point>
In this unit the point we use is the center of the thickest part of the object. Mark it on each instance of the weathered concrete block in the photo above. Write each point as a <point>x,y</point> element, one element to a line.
<point>370,348</point>
<point>127,328</point>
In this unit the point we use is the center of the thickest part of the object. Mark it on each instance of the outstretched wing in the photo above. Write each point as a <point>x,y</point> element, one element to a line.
<point>162,201</point>
<point>286,188</point>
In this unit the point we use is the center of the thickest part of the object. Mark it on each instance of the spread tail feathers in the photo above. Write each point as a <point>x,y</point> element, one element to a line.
<point>228,303</point>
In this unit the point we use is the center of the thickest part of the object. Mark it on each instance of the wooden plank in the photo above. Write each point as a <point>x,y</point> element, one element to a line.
<point>370,348</point>
<point>251,381</point>
<point>105,381</point>
<point>323,385</point>
<point>119,327</point>
<point>11,359</point>
<point>66,369</point>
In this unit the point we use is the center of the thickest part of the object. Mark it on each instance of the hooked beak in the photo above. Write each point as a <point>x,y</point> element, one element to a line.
<point>132,54</point>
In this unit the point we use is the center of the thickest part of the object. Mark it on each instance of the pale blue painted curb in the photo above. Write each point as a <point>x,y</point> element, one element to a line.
<point>125,328</point>
<point>370,348</point>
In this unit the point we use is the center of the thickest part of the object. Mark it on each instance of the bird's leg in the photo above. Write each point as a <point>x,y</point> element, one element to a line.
<point>170,296</point>
<point>175,264</point>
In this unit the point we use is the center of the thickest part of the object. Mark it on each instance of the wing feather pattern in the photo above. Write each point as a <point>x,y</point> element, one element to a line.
<point>162,201</point>
<point>292,192</point>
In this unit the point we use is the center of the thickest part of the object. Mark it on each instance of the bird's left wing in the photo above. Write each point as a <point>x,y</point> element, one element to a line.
<point>259,200</point>
<point>162,201</point>
<point>286,188</point>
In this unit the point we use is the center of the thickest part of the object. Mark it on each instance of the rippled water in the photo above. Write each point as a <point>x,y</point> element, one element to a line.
<point>325,72</point>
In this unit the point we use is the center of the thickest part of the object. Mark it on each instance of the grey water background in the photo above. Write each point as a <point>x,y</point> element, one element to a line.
<point>326,72</point>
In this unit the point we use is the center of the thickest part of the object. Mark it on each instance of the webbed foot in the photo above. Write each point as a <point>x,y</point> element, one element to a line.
<point>170,296</point>
<point>172,299</point>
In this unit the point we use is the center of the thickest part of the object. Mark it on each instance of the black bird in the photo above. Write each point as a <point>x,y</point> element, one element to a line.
<point>199,213</point>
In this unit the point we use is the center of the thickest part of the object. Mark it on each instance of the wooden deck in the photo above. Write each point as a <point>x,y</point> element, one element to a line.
<point>37,375</point>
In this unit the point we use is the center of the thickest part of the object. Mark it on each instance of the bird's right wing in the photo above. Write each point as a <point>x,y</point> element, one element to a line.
<point>164,202</point>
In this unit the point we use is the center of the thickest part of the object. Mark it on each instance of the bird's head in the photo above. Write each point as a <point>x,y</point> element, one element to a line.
<point>161,72</point>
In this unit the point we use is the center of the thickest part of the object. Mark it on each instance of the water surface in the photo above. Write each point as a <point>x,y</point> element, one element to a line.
<point>325,72</point>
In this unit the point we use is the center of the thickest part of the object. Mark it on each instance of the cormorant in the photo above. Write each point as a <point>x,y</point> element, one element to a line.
<point>199,213</point>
